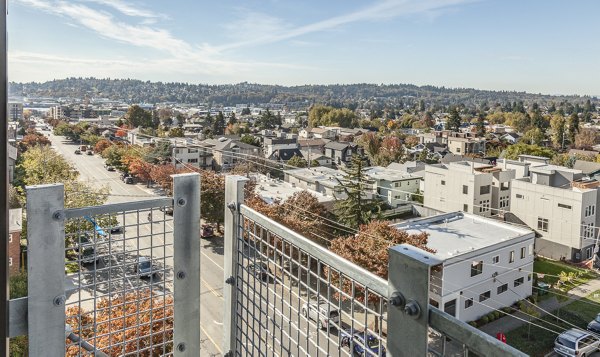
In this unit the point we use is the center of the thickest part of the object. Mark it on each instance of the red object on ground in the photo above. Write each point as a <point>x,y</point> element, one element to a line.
<point>501,337</point>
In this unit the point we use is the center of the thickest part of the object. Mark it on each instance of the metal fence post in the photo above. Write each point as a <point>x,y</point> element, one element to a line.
<point>46,269</point>
<point>234,196</point>
<point>408,293</point>
<point>186,264</point>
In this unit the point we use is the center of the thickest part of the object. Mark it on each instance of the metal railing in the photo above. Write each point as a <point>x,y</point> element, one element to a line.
<point>288,296</point>
<point>113,280</point>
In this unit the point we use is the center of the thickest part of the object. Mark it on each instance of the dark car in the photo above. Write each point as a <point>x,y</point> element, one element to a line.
<point>117,230</point>
<point>129,180</point>
<point>144,268</point>
<point>260,270</point>
<point>109,168</point>
<point>90,153</point>
<point>207,231</point>
<point>594,325</point>
<point>356,341</point>
<point>77,152</point>
<point>84,248</point>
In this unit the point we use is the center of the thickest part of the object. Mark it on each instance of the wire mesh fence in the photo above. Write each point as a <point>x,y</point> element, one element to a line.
<point>119,283</point>
<point>291,302</point>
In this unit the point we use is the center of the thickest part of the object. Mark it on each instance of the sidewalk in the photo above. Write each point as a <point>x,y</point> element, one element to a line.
<point>510,322</point>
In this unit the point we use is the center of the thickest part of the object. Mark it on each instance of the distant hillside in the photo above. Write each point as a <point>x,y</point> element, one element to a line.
<point>349,95</point>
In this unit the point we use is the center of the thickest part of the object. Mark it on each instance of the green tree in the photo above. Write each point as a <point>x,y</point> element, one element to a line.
<point>246,111</point>
<point>534,136</point>
<point>480,125</point>
<point>297,161</point>
<point>356,208</point>
<point>558,125</point>
<point>513,151</point>
<point>573,127</point>
<point>454,120</point>
<point>218,125</point>
<point>176,132</point>
<point>250,140</point>
<point>136,117</point>
<point>232,119</point>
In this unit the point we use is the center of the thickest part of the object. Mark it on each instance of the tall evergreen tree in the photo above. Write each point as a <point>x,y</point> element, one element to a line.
<point>356,209</point>
<point>218,125</point>
<point>454,120</point>
<point>232,119</point>
<point>573,126</point>
<point>480,124</point>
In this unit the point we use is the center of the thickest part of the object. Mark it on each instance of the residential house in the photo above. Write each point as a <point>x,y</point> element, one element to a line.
<point>192,155</point>
<point>312,156</point>
<point>324,180</point>
<point>560,204</point>
<point>486,264</point>
<point>227,152</point>
<point>341,152</point>
<point>284,154</point>
<point>272,144</point>
<point>322,133</point>
<point>314,145</point>
<point>511,138</point>
<point>466,145</point>
<point>393,187</point>
<point>467,186</point>
<point>588,168</point>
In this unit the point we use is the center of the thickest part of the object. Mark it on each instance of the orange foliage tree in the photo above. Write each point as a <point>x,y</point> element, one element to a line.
<point>139,168</point>
<point>102,145</point>
<point>122,324</point>
<point>161,174</point>
<point>33,139</point>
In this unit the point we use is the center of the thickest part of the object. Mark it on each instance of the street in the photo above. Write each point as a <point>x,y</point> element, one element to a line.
<point>92,171</point>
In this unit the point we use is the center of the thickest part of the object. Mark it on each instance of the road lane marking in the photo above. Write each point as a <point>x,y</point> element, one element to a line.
<point>211,340</point>
<point>209,258</point>
<point>211,289</point>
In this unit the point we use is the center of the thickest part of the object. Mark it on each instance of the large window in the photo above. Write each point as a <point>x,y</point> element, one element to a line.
<point>476,268</point>
<point>504,202</point>
<point>502,288</point>
<point>465,190</point>
<point>590,210</point>
<point>495,259</point>
<point>484,190</point>
<point>484,296</point>
<point>511,256</point>
<point>542,224</point>
<point>468,303</point>
<point>519,282</point>
<point>523,253</point>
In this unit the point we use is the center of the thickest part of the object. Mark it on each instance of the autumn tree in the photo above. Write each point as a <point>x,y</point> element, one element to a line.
<point>212,197</point>
<point>161,174</point>
<point>101,146</point>
<point>586,139</point>
<point>33,139</point>
<point>353,207</point>
<point>139,168</point>
<point>176,133</point>
<point>534,136</point>
<point>558,125</point>
<point>391,150</point>
<point>480,125</point>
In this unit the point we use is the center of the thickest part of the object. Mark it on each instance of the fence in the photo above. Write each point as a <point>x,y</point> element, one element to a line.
<point>118,279</point>
<point>288,296</point>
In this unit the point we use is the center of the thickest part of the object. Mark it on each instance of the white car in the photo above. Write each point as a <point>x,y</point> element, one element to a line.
<point>322,312</point>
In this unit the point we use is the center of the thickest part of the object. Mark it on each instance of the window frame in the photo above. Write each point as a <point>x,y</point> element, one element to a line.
<point>476,269</point>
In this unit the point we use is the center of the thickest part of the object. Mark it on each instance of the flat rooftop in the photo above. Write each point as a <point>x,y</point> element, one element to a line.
<point>271,190</point>
<point>326,176</point>
<point>457,233</point>
<point>384,173</point>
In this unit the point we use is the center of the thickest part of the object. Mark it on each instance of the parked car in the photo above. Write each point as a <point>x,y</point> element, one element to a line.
<point>129,180</point>
<point>207,230</point>
<point>594,325</point>
<point>90,152</point>
<point>84,248</point>
<point>109,168</point>
<point>144,267</point>
<point>167,210</point>
<point>576,342</point>
<point>117,230</point>
<point>317,311</point>
<point>77,152</point>
<point>260,270</point>
<point>357,339</point>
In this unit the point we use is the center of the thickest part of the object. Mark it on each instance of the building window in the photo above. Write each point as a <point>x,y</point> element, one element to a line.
<point>511,256</point>
<point>495,259</point>
<point>519,282</point>
<point>484,190</point>
<point>502,288</point>
<point>476,268</point>
<point>588,253</point>
<point>523,253</point>
<point>588,230</point>
<point>465,190</point>
<point>542,224</point>
<point>465,207</point>
<point>531,249</point>
<point>504,186</point>
<point>518,196</point>
<point>468,303</point>
<point>564,206</point>
<point>484,296</point>
<point>504,202</point>
<point>484,206</point>
<point>528,277</point>
<point>193,160</point>
<point>443,183</point>
<point>590,210</point>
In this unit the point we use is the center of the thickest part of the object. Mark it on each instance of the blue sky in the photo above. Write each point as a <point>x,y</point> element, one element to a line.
<point>547,46</point>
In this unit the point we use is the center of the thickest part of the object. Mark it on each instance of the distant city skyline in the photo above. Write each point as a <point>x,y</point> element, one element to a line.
<point>537,46</point>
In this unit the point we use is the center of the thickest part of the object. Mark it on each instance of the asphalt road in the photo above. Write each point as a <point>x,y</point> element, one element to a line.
<point>123,276</point>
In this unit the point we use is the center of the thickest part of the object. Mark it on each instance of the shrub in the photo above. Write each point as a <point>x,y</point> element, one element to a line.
<point>473,323</point>
<point>497,314</point>
<point>485,320</point>
<point>508,310</point>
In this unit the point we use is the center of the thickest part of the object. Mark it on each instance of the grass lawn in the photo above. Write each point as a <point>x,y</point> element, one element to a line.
<point>541,341</point>
<point>552,267</point>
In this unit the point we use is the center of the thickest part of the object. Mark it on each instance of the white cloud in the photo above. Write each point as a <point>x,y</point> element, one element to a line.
<point>127,8</point>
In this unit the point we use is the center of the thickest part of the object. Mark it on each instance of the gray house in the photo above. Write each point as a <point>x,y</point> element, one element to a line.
<point>341,152</point>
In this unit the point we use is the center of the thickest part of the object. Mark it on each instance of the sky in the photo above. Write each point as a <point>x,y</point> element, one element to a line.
<point>539,46</point>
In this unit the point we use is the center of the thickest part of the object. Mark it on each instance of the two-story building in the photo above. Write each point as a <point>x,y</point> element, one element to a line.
<point>341,152</point>
<point>324,180</point>
<point>486,264</point>
<point>193,155</point>
<point>272,144</point>
<point>393,187</point>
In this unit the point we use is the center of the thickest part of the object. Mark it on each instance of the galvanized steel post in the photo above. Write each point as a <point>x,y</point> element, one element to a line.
<point>234,196</point>
<point>186,264</point>
<point>46,270</point>
<point>408,294</point>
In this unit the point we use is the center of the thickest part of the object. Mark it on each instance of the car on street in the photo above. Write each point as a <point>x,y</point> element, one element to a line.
<point>109,168</point>
<point>117,230</point>
<point>89,152</point>
<point>144,267</point>
<point>320,311</point>
<point>361,343</point>
<point>168,210</point>
<point>260,270</point>
<point>129,180</point>
<point>207,231</point>
<point>594,325</point>
<point>576,342</point>
<point>77,152</point>
<point>85,250</point>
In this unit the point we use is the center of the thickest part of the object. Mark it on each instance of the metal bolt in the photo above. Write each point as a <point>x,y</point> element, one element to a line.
<point>181,275</point>
<point>232,206</point>
<point>397,300</point>
<point>181,202</point>
<point>58,216</point>
<point>59,300</point>
<point>181,347</point>
<point>230,280</point>
<point>413,309</point>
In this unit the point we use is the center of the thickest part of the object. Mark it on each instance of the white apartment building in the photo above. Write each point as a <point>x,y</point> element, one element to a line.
<point>320,179</point>
<point>486,264</point>
<point>560,205</point>
<point>467,186</point>
<point>394,187</point>
<point>196,156</point>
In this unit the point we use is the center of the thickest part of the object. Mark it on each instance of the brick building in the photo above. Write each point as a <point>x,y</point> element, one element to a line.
<point>14,240</point>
